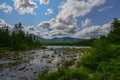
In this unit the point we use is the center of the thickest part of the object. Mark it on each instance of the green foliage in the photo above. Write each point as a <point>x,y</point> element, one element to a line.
<point>17,39</point>
<point>65,74</point>
<point>59,43</point>
<point>4,35</point>
<point>88,61</point>
<point>108,70</point>
<point>104,57</point>
<point>114,35</point>
<point>87,42</point>
<point>101,51</point>
<point>85,50</point>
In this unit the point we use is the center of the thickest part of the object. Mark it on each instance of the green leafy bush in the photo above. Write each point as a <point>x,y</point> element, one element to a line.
<point>66,74</point>
<point>108,70</point>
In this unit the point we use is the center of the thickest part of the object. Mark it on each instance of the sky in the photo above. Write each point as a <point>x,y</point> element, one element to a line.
<point>61,18</point>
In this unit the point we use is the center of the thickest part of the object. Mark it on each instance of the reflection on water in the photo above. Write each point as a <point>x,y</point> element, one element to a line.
<point>27,65</point>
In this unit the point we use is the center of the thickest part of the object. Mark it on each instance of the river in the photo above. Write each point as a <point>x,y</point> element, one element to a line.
<point>27,65</point>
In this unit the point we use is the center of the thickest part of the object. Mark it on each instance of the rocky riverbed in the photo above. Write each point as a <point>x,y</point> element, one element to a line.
<point>27,65</point>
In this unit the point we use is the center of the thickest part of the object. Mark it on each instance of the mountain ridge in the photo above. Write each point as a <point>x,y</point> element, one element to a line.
<point>62,39</point>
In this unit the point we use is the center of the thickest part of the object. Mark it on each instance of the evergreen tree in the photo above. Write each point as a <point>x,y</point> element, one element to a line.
<point>114,35</point>
<point>17,39</point>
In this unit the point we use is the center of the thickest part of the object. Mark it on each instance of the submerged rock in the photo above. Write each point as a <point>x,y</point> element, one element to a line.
<point>22,68</point>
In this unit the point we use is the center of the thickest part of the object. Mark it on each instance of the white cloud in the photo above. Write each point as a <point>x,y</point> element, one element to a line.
<point>79,7</point>
<point>28,29</point>
<point>49,11</point>
<point>57,32</point>
<point>60,26</point>
<point>65,21</point>
<point>2,23</point>
<point>33,30</point>
<point>93,31</point>
<point>44,1</point>
<point>25,6</point>
<point>104,8</point>
<point>45,25</point>
<point>46,35</point>
<point>6,8</point>
<point>86,23</point>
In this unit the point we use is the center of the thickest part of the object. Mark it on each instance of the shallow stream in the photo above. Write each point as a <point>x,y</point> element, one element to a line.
<point>27,65</point>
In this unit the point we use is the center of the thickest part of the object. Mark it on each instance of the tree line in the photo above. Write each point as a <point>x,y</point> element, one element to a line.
<point>85,42</point>
<point>17,39</point>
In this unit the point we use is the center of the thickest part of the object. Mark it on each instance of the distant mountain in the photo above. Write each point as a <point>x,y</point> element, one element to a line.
<point>62,39</point>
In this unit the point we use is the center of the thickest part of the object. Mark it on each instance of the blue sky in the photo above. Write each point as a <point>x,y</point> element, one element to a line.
<point>51,18</point>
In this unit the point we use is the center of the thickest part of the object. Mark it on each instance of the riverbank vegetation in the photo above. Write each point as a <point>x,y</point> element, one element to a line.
<point>101,62</point>
<point>85,42</point>
<point>17,39</point>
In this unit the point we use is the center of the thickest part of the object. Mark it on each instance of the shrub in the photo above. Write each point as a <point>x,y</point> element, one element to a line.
<point>68,74</point>
<point>108,70</point>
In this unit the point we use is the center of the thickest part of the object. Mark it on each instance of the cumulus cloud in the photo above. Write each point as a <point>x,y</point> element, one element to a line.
<point>32,30</point>
<point>25,6</point>
<point>104,8</point>
<point>79,7</point>
<point>93,31</point>
<point>86,23</point>
<point>45,25</point>
<point>2,23</point>
<point>46,35</point>
<point>44,1</point>
<point>65,21</point>
<point>57,32</point>
<point>60,26</point>
<point>6,8</point>
<point>49,11</point>
<point>28,29</point>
